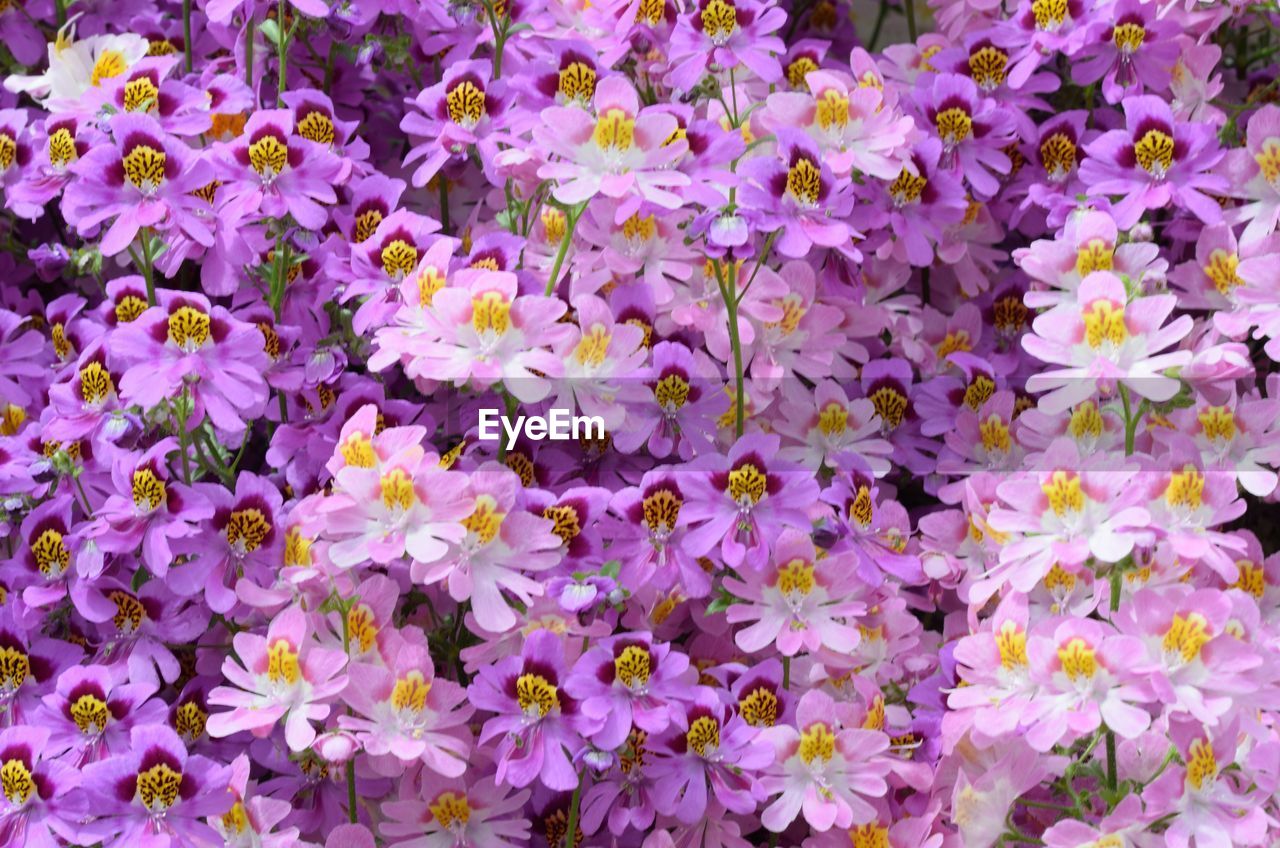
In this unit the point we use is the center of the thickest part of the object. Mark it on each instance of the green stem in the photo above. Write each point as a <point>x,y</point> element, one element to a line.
<point>148,266</point>
<point>910,7</point>
<point>1112,780</point>
<point>282,50</point>
<point>186,35</point>
<point>444,204</point>
<point>571,223</point>
<point>875,31</point>
<point>786,672</point>
<point>60,10</point>
<point>250,31</point>
<point>1130,421</point>
<point>571,834</point>
<point>181,413</point>
<point>728,290</point>
<point>352,815</point>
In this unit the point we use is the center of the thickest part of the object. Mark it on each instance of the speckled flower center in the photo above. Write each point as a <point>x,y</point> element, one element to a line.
<point>988,66</point>
<point>890,404</point>
<point>1154,152</point>
<point>51,553</point>
<point>804,182</point>
<point>366,223</point>
<point>703,737</point>
<point>652,11</point>
<point>565,521</point>
<point>8,151</point>
<point>62,148</point>
<point>833,420</point>
<point>318,127</point>
<point>638,230</point>
<point>158,787</point>
<point>907,187</point>
<point>466,103</point>
<point>396,490</point>
<point>95,383</point>
<point>1268,159</point>
<point>954,125</point>
<point>1049,14</point>
<point>148,490</point>
<point>90,714</point>
<point>1128,37</point>
<point>1058,155</point>
<point>747,484</point>
<point>1186,489</point>
<point>577,82</point>
<point>633,666</point>
<point>144,167</point>
<point>398,259</point>
<point>661,509</point>
<point>268,156</point>
<point>490,313</point>
<point>995,435</point>
<point>282,663</point>
<point>1221,270</point>
<point>1011,641</point>
<point>246,530</point>
<point>719,20</point>
<point>110,63</point>
<point>796,578</point>
<point>16,782</point>
<point>1086,421</point>
<point>1202,766</point>
<point>189,721</point>
<point>130,613</point>
<point>485,521</point>
<point>800,68</point>
<point>15,667</point>
<point>759,707</point>
<point>141,95</point>
<point>297,550</point>
<point>536,695</point>
<point>1218,422</point>
<point>357,450</point>
<point>188,328</point>
<point>862,507</point>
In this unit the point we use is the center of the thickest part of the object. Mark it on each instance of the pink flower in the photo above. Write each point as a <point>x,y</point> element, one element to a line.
<point>279,675</point>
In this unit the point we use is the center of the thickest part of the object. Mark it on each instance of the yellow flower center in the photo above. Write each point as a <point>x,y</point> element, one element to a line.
<point>451,810</point>
<point>1221,269</point>
<point>51,553</point>
<point>1078,659</point>
<point>1103,323</point>
<point>282,663</point>
<point>485,521</point>
<point>1202,766</point>
<point>554,224</point>
<point>1186,635</point>
<point>1186,488</point>
<point>979,391</point>
<point>189,721</point>
<point>1095,255</point>
<point>141,95</point>
<point>396,487</point>
<point>268,156</point>
<point>639,230</point>
<point>1012,642</point>
<point>995,435</point>
<point>8,151</point>
<point>593,347</point>
<point>110,63</point>
<point>410,692</point>
<point>817,742</point>
<point>490,313</point>
<point>15,666</point>
<point>833,420</point>
<point>796,578</point>
<point>862,508</point>
<point>16,782</point>
<point>1049,14</point>
<point>366,224</point>
<point>869,836</point>
<point>652,11</point>
<point>297,549</point>
<point>129,308</point>
<point>1086,421</point>
<point>832,110</point>
<point>800,68</point>
<point>362,627</point>
<point>1064,493</point>
<point>804,182</point>
<point>661,510</point>
<point>615,131</point>
<point>62,148</point>
<point>90,714</point>
<point>398,259</point>
<point>1128,37</point>
<point>565,523</point>
<point>890,404</point>
<point>130,613</point>
<point>1268,160</point>
<point>96,384</point>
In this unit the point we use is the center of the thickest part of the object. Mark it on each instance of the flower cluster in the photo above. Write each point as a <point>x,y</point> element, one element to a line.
<point>927,362</point>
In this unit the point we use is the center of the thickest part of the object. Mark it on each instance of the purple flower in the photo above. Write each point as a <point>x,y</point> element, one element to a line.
<point>1153,162</point>
<point>41,806</point>
<point>533,714</point>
